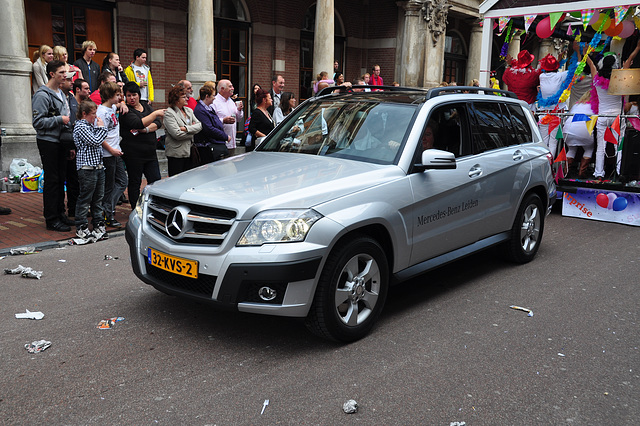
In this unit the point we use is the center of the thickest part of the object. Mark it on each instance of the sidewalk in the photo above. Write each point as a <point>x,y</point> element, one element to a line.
<point>25,225</point>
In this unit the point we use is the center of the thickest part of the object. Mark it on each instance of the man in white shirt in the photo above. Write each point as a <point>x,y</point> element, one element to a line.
<point>228,112</point>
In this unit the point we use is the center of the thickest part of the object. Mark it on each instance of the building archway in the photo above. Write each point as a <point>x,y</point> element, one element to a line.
<point>455,58</point>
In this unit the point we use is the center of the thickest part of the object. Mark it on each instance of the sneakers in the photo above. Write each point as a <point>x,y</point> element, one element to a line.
<point>83,232</point>
<point>100,232</point>
<point>112,222</point>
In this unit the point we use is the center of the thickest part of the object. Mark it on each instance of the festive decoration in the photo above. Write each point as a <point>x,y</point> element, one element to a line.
<point>528,20</point>
<point>545,103</point>
<point>619,204</point>
<point>562,156</point>
<point>588,16</point>
<point>635,122</point>
<point>616,125</point>
<point>602,23</point>
<point>602,200</point>
<point>554,18</point>
<point>591,124</point>
<point>619,12</point>
<point>614,30</point>
<point>580,117</point>
<point>502,23</point>
<point>544,28</point>
<point>505,45</point>
<point>610,137</point>
<point>559,134</point>
<point>628,28</point>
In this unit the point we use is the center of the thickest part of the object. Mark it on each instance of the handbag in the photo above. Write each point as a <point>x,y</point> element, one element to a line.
<point>195,156</point>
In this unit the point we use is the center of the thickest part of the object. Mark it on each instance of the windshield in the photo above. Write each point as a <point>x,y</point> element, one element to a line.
<point>359,130</point>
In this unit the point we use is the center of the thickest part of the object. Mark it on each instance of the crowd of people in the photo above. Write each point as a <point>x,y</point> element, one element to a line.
<point>542,88</point>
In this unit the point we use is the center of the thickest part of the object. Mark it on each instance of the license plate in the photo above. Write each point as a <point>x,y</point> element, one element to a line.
<point>176,265</point>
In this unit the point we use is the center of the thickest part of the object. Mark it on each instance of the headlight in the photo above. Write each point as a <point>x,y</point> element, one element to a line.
<point>279,226</point>
<point>142,199</point>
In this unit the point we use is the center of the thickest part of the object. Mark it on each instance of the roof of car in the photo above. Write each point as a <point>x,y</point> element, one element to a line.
<point>399,94</point>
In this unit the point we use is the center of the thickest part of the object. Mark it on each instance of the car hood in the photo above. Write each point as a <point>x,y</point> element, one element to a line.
<point>260,181</point>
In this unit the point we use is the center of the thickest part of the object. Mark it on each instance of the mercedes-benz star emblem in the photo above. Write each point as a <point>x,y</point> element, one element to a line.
<point>176,223</point>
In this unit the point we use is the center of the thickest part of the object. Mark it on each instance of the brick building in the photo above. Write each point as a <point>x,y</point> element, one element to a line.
<point>415,42</point>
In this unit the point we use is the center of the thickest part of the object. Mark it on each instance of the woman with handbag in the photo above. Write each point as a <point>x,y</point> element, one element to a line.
<point>180,126</point>
<point>211,141</point>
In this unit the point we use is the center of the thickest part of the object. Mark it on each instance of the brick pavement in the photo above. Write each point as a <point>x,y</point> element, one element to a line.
<point>25,225</point>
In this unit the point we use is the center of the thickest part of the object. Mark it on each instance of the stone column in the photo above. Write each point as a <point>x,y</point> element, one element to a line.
<point>413,44</point>
<point>546,47</point>
<point>435,14</point>
<point>475,51</point>
<point>200,59</point>
<point>514,47</point>
<point>323,38</point>
<point>18,135</point>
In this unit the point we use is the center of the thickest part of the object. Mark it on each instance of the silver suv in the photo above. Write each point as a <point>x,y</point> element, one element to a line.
<point>352,192</point>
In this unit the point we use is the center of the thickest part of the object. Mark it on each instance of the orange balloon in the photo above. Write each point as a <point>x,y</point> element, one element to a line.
<point>614,31</point>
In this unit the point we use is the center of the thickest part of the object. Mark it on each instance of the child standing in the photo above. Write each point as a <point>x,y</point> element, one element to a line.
<point>88,139</point>
<point>115,176</point>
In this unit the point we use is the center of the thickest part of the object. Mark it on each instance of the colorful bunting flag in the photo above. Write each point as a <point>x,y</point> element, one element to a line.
<point>610,137</point>
<point>587,14</point>
<point>502,23</point>
<point>559,173</point>
<point>553,123</point>
<point>561,157</point>
<point>618,16</point>
<point>559,134</point>
<point>569,30</point>
<point>620,144</point>
<point>528,20</point>
<point>591,124</point>
<point>580,117</point>
<point>635,122</point>
<point>554,17</point>
<point>616,125</point>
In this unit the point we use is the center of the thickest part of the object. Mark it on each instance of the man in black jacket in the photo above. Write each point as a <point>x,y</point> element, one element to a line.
<point>50,118</point>
<point>90,69</point>
<point>277,88</point>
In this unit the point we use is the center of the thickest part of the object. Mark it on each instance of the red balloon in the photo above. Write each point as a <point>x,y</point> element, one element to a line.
<point>544,30</point>
<point>602,200</point>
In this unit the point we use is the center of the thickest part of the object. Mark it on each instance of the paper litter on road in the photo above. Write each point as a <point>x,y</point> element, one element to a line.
<point>107,257</point>
<point>30,315</point>
<point>23,250</point>
<point>520,308</point>
<point>106,324</point>
<point>264,405</point>
<point>25,271</point>
<point>37,346</point>
<point>350,407</point>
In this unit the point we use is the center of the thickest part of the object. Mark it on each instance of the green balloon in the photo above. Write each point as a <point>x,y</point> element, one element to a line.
<point>576,14</point>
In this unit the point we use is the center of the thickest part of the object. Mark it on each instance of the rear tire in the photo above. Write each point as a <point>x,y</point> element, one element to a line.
<point>526,232</point>
<point>351,292</point>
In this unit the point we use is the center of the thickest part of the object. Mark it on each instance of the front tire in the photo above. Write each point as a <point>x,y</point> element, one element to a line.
<point>526,232</point>
<point>351,292</point>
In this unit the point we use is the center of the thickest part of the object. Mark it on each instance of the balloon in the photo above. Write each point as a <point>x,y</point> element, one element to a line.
<point>607,22</point>
<point>576,14</point>
<point>628,28</point>
<point>594,18</point>
<point>544,30</point>
<point>613,31</point>
<point>619,204</point>
<point>612,197</point>
<point>602,200</point>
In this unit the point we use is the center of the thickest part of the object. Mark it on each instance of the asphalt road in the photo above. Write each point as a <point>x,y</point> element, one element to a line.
<point>447,348</point>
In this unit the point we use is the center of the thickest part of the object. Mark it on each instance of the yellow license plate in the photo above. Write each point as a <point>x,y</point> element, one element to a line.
<point>176,265</point>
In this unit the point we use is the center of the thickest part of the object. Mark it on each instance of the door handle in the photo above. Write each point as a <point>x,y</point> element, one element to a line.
<point>517,156</point>
<point>475,171</point>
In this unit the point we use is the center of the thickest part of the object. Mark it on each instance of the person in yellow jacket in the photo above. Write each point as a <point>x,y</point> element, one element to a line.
<point>139,72</point>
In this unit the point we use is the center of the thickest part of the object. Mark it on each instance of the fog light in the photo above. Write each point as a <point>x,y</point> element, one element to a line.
<point>267,293</point>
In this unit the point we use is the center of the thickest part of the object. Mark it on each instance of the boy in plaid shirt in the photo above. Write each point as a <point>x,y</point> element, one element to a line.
<point>88,139</point>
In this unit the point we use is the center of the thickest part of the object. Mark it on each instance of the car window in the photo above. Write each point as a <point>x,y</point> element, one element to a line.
<point>487,127</point>
<point>446,129</point>
<point>519,131</point>
<point>366,131</point>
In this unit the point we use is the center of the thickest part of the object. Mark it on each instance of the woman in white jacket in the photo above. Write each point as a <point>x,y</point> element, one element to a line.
<point>41,58</point>
<point>180,126</point>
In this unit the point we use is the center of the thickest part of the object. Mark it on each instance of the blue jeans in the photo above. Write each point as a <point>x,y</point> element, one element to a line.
<point>91,194</point>
<point>114,184</point>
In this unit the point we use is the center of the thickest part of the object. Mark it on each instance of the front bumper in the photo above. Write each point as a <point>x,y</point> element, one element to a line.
<point>230,281</point>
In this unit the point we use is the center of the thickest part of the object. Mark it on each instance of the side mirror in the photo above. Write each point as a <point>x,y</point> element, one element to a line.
<point>436,159</point>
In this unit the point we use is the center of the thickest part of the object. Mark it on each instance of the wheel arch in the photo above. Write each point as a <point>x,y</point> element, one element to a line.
<point>378,232</point>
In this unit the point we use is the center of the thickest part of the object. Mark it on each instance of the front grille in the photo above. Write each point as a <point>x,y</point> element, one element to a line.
<point>205,225</point>
<point>201,286</point>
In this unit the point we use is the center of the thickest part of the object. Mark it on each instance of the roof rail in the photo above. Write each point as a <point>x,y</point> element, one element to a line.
<point>448,90</point>
<point>343,89</point>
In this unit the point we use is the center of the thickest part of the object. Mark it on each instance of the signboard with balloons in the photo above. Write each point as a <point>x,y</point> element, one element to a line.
<point>603,205</point>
